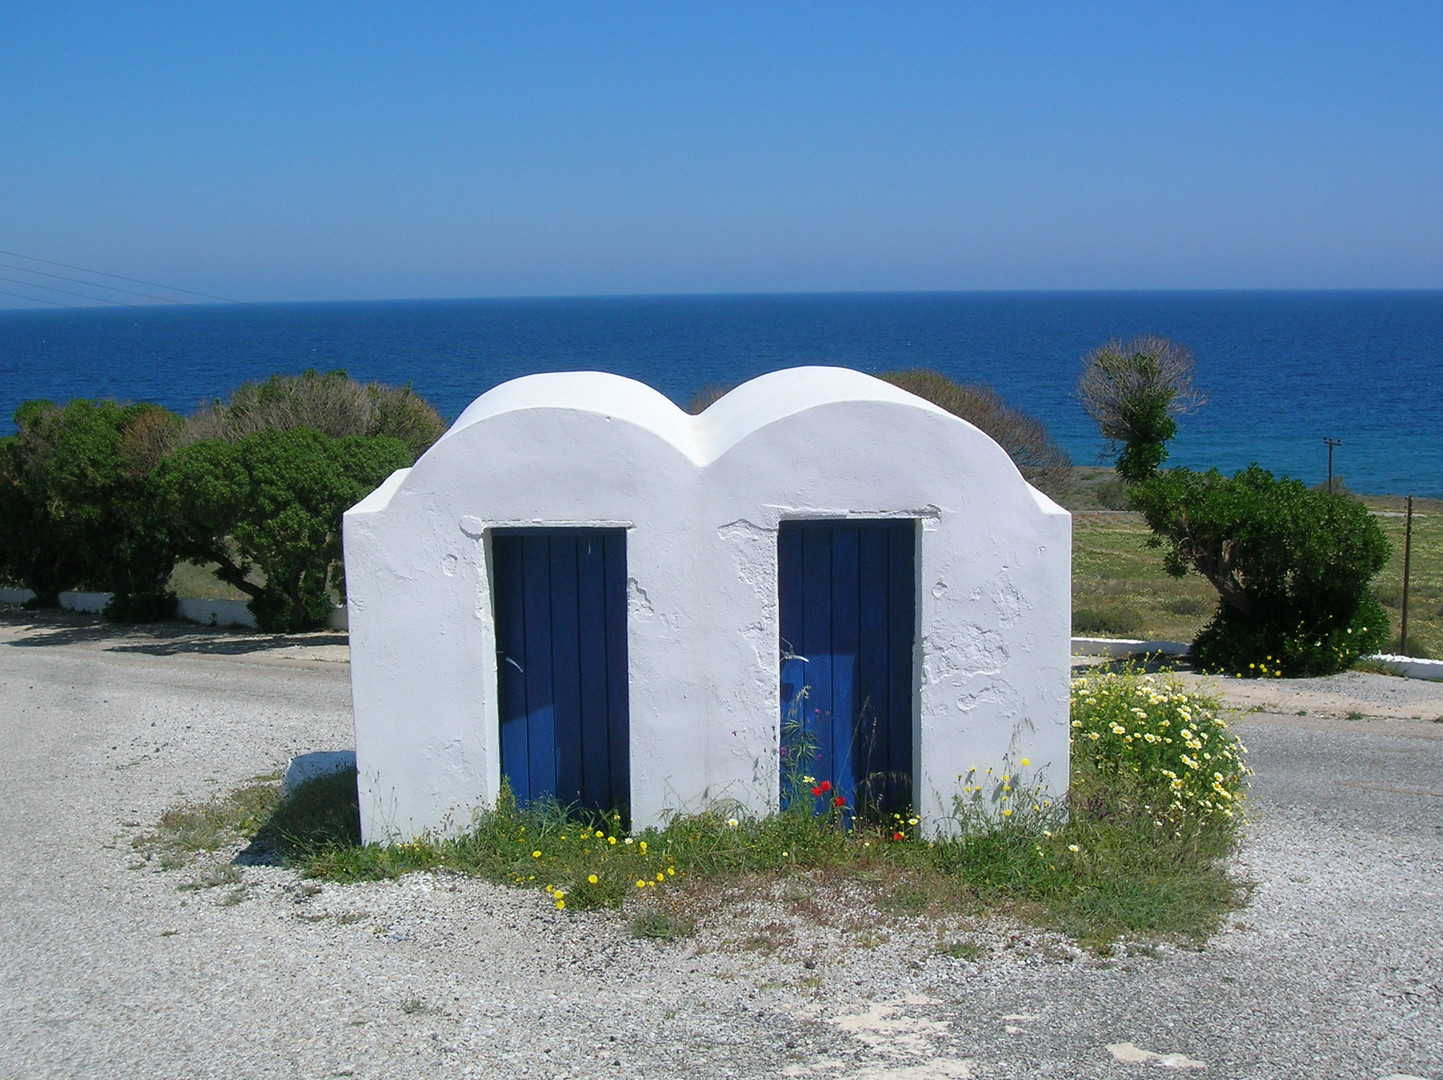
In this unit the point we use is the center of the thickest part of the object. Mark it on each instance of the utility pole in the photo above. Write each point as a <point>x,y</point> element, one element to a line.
<point>1407,555</point>
<point>1331,443</point>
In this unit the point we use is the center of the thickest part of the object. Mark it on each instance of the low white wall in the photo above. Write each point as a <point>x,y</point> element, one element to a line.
<point>1092,646</point>
<point>205,612</point>
<point>304,767</point>
<point>92,602</point>
<point>1411,666</point>
<point>214,612</point>
<point>235,613</point>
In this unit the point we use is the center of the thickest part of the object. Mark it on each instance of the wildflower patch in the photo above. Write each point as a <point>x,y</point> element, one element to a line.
<point>1137,847</point>
<point>1172,744</point>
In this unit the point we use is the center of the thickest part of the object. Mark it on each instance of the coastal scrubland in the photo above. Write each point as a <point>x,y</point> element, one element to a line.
<point>1119,588</point>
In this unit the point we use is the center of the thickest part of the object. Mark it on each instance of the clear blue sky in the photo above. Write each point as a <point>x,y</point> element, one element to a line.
<point>268,151</point>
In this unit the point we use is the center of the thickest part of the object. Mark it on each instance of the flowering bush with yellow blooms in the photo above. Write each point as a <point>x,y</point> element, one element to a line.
<point>1171,744</point>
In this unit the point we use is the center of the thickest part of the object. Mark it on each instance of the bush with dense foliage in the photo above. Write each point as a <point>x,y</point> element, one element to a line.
<point>76,503</point>
<point>99,495</point>
<point>272,502</point>
<point>333,404</point>
<point>1292,567</point>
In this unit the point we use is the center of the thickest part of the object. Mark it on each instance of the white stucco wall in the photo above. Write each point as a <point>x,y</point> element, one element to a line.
<point>701,498</point>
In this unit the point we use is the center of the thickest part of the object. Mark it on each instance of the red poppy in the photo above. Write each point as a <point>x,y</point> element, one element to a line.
<point>840,800</point>
<point>825,786</point>
<point>816,791</point>
<point>899,836</point>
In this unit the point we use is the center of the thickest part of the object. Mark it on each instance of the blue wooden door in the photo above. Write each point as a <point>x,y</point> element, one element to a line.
<point>560,602</point>
<point>847,592</point>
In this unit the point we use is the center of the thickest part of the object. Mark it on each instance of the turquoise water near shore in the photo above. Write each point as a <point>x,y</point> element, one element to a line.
<point>1283,369</point>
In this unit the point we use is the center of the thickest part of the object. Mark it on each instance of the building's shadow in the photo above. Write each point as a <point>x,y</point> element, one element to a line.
<point>50,627</point>
<point>1142,663</point>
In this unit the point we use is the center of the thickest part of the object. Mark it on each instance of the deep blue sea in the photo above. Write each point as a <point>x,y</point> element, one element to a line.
<point>1283,370</point>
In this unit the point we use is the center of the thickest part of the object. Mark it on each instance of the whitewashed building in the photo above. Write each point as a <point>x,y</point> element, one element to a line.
<point>602,598</point>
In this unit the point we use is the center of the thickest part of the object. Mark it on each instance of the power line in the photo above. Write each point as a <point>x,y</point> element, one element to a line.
<point>91,284</point>
<point>67,292</point>
<point>117,277</point>
<point>37,299</point>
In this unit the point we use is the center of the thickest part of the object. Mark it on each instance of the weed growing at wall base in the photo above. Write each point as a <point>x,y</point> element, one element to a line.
<point>1157,780</point>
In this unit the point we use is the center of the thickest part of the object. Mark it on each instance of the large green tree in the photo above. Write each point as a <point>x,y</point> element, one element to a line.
<point>270,506</point>
<point>1293,567</point>
<point>76,503</point>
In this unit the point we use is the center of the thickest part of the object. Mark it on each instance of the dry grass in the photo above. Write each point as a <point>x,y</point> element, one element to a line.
<point>1425,590</point>
<point>1119,588</point>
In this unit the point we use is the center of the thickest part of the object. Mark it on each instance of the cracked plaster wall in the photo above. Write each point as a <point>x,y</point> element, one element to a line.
<point>701,499</point>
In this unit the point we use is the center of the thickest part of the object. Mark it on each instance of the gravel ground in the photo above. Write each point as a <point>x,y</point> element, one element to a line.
<point>111,968</point>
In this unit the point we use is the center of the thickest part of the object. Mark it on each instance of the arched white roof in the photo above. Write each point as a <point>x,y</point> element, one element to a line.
<point>758,403</point>
<point>584,391</point>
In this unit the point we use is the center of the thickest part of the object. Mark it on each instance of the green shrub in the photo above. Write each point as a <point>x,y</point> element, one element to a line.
<point>141,607</point>
<point>273,502</point>
<point>1114,621</point>
<point>1111,494</point>
<point>333,404</point>
<point>77,502</point>
<point>1292,567</point>
<point>1321,645</point>
<point>1188,605</point>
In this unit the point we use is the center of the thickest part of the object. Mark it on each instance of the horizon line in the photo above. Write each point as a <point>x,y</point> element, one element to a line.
<point>739,294</point>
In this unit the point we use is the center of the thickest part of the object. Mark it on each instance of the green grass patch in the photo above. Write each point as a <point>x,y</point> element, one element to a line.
<point>199,581</point>
<point>1425,576</point>
<point>1119,588</point>
<point>1139,850</point>
<point>661,926</point>
<point>318,816</point>
<point>189,828</point>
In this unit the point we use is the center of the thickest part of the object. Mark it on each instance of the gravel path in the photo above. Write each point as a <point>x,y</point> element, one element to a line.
<point>110,969</point>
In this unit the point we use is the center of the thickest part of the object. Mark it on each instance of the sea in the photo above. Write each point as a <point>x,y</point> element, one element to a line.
<point>1283,371</point>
